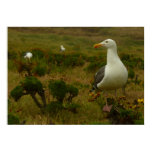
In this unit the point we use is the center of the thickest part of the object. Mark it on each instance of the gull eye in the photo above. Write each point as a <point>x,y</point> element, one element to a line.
<point>106,41</point>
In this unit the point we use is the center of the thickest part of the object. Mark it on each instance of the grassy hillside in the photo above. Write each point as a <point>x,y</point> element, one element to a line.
<point>76,67</point>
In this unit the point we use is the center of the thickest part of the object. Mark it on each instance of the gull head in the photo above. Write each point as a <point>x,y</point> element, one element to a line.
<point>108,43</point>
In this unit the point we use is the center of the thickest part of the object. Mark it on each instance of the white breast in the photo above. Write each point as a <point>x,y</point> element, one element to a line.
<point>116,76</point>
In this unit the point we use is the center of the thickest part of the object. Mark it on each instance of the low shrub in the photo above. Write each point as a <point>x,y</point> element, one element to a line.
<point>17,92</point>
<point>132,61</point>
<point>72,61</point>
<point>58,89</point>
<point>13,120</point>
<point>40,69</point>
<point>131,73</point>
<point>69,60</point>
<point>56,58</point>
<point>73,92</point>
<point>32,85</point>
<point>37,53</point>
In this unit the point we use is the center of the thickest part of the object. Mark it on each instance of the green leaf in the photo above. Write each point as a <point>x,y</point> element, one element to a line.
<point>17,92</point>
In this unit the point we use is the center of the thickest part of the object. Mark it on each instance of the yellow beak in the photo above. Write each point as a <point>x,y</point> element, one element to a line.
<point>98,45</point>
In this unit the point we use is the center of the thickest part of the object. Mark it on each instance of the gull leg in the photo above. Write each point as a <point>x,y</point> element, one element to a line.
<point>107,108</point>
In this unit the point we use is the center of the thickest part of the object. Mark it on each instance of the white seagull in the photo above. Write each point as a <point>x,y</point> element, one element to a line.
<point>114,74</point>
<point>62,49</point>
<point>28,55</point>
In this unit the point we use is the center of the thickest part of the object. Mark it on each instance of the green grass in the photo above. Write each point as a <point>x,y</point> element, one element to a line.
<point>79,63</point>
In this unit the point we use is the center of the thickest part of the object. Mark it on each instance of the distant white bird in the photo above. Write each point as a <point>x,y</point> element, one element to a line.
<point>62,49</point>
<point>28,55</point>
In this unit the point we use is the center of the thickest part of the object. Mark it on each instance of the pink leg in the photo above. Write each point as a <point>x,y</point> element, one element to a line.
<point>107,108</point>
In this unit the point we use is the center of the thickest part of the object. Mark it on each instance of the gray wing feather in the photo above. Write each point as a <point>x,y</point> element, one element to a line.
<point>99,76</point>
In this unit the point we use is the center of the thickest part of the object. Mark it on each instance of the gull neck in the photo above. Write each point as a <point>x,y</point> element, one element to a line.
<point>112,55</point>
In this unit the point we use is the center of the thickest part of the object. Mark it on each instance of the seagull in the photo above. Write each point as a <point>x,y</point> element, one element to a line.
<point>114,74</point>
<point>28,55</point>
<point>62,49</point>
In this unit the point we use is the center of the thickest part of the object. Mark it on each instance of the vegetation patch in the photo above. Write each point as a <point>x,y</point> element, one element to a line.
<point>13,120</point>
<point>59,89</point>
<point>40,69</point>
<point>37,53</point>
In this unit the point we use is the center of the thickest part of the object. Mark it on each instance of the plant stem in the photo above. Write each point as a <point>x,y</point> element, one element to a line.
<point>36,101</point>
<point>42,95</point>
<point>43,99</point>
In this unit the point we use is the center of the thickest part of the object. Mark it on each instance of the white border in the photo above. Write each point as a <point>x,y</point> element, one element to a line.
<point>80,137</point>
